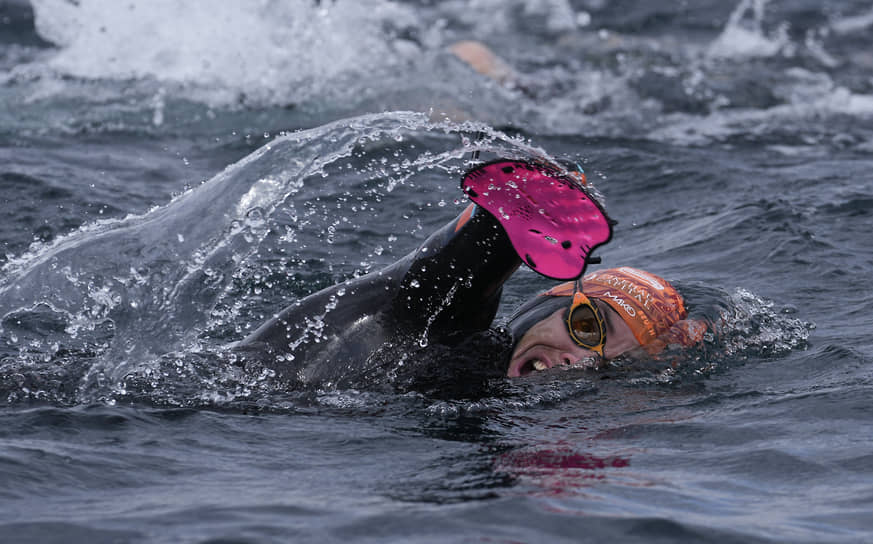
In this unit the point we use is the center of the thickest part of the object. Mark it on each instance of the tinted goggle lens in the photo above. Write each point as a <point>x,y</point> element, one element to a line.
<point>585,324</point>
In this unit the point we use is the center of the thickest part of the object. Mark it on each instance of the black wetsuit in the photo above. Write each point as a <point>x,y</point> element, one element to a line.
<point>442,294</point>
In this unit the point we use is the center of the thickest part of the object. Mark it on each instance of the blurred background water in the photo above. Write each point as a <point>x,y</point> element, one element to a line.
<point>173,173</point>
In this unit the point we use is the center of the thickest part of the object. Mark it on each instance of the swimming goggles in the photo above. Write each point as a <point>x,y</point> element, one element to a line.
<point>585,323</point>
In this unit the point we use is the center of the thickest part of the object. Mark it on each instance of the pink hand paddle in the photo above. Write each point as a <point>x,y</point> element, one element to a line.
<point>551,221</point>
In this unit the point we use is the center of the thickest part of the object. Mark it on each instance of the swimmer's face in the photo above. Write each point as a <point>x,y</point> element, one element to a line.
<point>548,344</point>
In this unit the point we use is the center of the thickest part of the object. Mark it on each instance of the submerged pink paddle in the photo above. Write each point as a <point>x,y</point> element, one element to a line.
<point>552,222</point>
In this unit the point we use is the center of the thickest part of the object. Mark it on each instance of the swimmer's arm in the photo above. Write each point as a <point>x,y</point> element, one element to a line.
<point>451,283</point>
<point>456,276</point>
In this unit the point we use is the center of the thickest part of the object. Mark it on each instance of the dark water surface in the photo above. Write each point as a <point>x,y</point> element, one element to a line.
<point>173,174</point>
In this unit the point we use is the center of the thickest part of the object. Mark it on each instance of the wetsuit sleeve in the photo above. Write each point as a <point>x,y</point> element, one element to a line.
<point>450,284</point>
<point>455,278</point>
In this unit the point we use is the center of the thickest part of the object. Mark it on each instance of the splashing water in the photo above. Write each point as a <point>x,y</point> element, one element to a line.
<point>129,291</point>
<point>753,327</point>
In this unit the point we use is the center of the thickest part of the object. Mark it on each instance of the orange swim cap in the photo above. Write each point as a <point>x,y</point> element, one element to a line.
<point>646,302</point>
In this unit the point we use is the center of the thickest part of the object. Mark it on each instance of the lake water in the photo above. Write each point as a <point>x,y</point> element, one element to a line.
<point>175,173</point>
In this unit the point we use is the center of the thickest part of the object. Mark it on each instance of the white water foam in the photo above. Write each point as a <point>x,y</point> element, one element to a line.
<point>375,55</point>
<point>744,36</point>
<point>263,50</point>
<point>856,23</point>
<point>807,95</point>
<point>271,52</point>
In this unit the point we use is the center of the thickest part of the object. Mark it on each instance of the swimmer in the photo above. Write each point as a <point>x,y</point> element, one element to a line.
<point>449,288</point>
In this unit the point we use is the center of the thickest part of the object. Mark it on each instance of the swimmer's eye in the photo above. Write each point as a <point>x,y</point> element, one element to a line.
<point>585,324</point>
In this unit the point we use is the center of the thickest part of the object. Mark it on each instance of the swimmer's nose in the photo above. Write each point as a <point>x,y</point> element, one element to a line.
<point>568,358</point>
